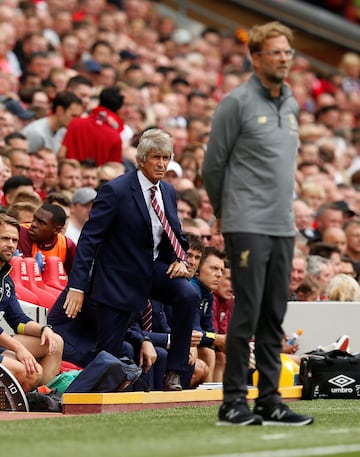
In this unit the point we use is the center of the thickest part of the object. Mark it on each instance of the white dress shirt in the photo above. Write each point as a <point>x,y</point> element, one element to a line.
<point>157,228</point>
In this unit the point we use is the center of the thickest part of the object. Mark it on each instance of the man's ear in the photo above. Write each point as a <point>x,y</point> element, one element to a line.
<point>59,111</point>
<point>58,228</point>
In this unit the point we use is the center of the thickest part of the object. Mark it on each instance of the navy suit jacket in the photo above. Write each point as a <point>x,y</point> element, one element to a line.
<point>114,255</point>
<point>160,327</point>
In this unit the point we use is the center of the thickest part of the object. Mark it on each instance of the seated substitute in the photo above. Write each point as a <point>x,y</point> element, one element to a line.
<point>33,355</point>
<point>211,269</point>
<point>44,235</point>
<point>150,335</point>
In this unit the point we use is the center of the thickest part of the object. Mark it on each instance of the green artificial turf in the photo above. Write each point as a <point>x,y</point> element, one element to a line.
<point>185,431</point>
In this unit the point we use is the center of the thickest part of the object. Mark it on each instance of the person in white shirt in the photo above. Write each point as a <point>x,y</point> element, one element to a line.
<point>79,213</point>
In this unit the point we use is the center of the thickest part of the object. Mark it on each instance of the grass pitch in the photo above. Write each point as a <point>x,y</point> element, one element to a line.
<point>185,432</point>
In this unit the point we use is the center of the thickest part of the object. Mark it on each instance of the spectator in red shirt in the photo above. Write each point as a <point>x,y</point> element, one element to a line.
<point>98,135</point>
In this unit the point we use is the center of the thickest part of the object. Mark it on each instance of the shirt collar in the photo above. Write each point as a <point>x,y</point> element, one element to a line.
<point>145,183</point>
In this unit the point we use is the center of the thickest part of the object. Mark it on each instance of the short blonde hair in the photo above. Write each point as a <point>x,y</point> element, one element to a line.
<point>313,188</point>
<point>343,287</point>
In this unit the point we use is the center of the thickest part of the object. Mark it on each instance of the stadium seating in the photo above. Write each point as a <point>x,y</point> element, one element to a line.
<point>35,275</point>
<point>20,277</point>
<point>54,274</point>
<point>26,275</point>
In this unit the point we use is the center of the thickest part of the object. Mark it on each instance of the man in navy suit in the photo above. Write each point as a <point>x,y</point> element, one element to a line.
<point>124,256</point>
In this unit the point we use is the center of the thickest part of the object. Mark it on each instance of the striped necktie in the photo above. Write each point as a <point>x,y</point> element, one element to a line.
<point>146,317</point>
<point>179,251</point>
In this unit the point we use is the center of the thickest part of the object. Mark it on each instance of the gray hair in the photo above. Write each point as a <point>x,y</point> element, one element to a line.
<point>314,263</point>
<point>154,140</point>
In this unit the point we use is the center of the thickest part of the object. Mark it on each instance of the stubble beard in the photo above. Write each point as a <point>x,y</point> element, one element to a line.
<point>276,77</point>
<point>5,258</point>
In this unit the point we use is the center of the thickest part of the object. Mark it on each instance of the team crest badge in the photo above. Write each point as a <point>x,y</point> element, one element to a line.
<point>244,257</point>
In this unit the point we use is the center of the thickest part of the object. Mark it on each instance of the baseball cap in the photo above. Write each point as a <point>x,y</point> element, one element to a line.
<point>126,54</point>
<point>16,108</point>
<point>92,66</point>
<point>181,36</point>
<point>175,167</point>
<point>84,195</point>
<point>341,204</point>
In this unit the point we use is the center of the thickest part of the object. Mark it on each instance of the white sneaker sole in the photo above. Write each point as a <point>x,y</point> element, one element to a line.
<point>307,421</point>
<point>251,421</point>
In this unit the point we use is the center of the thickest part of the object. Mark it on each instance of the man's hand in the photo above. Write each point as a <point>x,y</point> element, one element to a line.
<point>193,355</point>
<point>220,342</point>
<point>196,337</point>
<point>28,360</point>
<point>48,336</point>
<point>147,356</point>
<point>178,270</point>
<point>289,348</point>
<point>73,303</point>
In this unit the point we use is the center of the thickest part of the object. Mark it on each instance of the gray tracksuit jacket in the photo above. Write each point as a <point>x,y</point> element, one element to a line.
<point>249,167</point>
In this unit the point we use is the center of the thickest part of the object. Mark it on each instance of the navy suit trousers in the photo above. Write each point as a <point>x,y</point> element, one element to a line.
<point>178,293</point>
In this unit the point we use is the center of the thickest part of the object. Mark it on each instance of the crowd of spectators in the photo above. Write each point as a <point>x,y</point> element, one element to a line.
<point>58,58</point>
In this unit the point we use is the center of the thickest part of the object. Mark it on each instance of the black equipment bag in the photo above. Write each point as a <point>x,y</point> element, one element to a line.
<point>106,373</point>
<point>332,375</point>
<point>51,402</point>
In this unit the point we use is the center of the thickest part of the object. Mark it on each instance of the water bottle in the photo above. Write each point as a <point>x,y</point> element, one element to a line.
<point>40,260</point>
<point>294,338</point>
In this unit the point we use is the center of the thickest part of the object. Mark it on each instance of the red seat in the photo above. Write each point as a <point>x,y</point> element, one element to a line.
<point>17,273</point>
<point>46,295</point>
<point>54,274</point>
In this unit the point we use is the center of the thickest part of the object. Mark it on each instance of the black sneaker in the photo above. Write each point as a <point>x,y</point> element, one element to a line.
<point>281,414</point>
<point>237,413</point>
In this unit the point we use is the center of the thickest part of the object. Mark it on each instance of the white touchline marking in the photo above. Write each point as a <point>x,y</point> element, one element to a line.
<point>278,436</point>
<point>338,430</point>
<point>307,452</point>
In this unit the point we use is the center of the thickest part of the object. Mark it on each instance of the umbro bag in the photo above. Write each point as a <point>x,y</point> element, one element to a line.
<point>106,373</point>
<point>332,375</point>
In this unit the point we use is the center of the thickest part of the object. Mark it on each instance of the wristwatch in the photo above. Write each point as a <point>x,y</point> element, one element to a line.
<point>44,327</point>
<point>184,262</point>
<point>145,338</point>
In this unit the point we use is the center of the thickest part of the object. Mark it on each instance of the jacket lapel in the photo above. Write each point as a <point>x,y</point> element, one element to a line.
<point>139,198</point>
<point>167,205</point>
